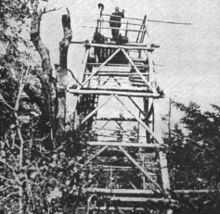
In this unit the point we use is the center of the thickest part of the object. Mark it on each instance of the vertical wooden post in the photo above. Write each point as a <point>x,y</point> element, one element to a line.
<point>169,120</point>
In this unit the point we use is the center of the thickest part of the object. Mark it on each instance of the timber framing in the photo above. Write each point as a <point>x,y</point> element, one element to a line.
<point>122,74</point>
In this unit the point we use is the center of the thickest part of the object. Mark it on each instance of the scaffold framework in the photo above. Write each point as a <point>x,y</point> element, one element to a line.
<point>126,160</point>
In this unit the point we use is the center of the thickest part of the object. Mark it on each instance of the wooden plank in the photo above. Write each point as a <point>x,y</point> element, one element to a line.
<point>116,167</point>
<point>85,60</point>
<point>164,172</point>
<point>126,47</point>
<point>114,73</point>
<point>114,92</point>
<point>110,43</point>
<point>131,18</point>
<point>139,60</point>
<point>169,22</point>
<point>195,191</point>
<point>124,144</point>
<point>143,200</point>
<point>126,23</point>
<point>118,89</point>
<point>112,208</point>
<point>119,191</point>
<point>146,192</point>
<point>116,66</point>
<point>117,119</point>
<point>110,28</point>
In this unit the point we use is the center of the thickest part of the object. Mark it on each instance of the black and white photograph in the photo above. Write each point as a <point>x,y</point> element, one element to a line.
<point>109,107</point>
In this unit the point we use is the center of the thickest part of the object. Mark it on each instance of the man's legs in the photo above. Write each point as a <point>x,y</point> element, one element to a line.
<point>115,34</point>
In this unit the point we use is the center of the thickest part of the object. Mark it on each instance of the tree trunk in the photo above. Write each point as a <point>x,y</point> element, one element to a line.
<point>62,71</point>
<point>48,107</point>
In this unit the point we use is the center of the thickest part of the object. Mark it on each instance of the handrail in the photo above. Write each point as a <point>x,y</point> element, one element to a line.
<point>129,23</point>
<point>131,18</point>
<point>116,28</point>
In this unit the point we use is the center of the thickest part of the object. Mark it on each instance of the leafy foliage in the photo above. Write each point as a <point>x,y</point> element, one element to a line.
<point>36,173</point>
<point>193,155</point>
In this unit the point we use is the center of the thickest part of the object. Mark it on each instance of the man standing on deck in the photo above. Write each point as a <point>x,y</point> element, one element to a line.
<point>115,22</point>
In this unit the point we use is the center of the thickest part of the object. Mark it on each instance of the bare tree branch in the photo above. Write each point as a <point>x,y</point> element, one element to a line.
<point>2,100</point>
<point>46,78</point>
<point>9,180</point>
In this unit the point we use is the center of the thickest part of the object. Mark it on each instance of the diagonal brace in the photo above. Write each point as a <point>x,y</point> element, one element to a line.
<point>136,69</point>
<point>100,67</point>
<point>94,156</point>
<point>96,109</point>
<point>147,175</point>
<point>159,140</point>
<point>137,106</point>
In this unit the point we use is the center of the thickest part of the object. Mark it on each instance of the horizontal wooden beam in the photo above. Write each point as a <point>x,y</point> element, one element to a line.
<point>124,144</point>
<point>147,192</point>
<point>112,21</point>
<point>195,191</point>
<point>115,74</point>
<point>143,200</point>
<point>117,119</point>
<point>104,92</point>
<point>116,28</point>
<point>169,22</point>
<point>116,167</point>
<point>126,47</point>
<point>116,66</point>
<point>129,44</point>
<point>112,208</point>
<point>131,18</point>
<point>120,191</point>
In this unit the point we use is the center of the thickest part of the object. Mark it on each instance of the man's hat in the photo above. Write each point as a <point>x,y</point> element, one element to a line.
<point>101,6</point>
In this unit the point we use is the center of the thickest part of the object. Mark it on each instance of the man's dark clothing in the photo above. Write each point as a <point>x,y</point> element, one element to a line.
<point>115,22</point>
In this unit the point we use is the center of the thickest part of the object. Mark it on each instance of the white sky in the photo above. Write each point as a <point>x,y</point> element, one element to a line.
<point>190,55</point>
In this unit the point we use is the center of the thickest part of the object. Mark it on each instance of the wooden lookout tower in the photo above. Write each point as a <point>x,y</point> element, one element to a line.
<point>126,160</point>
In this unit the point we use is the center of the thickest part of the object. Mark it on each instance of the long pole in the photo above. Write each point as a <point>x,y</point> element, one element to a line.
<point>169,119</point>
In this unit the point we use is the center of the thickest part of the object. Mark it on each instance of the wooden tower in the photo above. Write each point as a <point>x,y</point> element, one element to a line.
<point>126,161</point>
